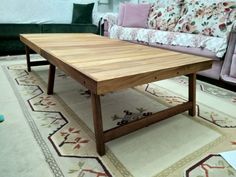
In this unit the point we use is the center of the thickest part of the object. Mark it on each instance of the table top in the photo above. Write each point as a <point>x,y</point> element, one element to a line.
<point>103,64</point>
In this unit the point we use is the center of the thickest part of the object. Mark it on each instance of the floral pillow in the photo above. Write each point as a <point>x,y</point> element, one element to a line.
<point>211,18</point>
<point>164,15</point>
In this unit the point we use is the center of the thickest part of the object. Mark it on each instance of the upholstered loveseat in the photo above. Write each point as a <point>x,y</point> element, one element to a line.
<point>9,34</point>
<point>46,16</point>
<point>198,27</point>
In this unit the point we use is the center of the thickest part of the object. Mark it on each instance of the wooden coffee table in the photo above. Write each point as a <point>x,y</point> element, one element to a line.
<point>103,65</point>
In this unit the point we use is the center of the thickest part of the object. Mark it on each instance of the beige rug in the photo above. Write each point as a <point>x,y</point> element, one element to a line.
<point>175,147</point>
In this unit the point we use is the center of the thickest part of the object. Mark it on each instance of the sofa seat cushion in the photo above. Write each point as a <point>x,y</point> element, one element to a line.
<point>12,31</point>
<point>189,50</point>
<point>214,44</point>
<point>69,28</point>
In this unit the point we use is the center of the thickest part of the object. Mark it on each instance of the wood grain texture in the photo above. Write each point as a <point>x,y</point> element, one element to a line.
<point>97,122</point>
<point>103,65</point>
<point>144,122</point>
<point>107,64</point>
<point>192,93</point>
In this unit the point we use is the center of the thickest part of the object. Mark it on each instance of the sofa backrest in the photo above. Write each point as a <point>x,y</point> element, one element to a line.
<point>211,17</point>
<point>69,28</point>
<point>12,31</point>
<point>164,15</point>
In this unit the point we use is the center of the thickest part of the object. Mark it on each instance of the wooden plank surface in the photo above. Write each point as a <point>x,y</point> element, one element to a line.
<point>112,64</point>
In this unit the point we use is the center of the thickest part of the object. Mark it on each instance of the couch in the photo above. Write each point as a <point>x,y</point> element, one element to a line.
<point>221,49</point>
<point>9,34</point>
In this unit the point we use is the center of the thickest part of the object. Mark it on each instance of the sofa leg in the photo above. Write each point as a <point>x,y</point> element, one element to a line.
<point>27,52</point>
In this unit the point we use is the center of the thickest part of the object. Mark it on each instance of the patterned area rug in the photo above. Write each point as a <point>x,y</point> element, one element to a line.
<point>180,146</point>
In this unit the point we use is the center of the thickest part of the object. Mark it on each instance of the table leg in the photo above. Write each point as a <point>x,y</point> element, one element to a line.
<point>192,93</point>
<point>98,126</point>
<point>51,78</point>
<point>27,52</point>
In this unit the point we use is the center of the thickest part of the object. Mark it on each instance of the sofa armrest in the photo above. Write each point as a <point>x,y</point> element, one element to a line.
<point>228,72</point>
<point>233,28</point>
<point>108,20</point>
<point>106,28</point>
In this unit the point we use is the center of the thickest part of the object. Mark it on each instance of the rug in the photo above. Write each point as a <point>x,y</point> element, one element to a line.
<point>62,125</point>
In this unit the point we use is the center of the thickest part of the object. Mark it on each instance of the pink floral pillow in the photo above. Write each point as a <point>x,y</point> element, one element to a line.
<point>212,18</point>
<point>135,15</point>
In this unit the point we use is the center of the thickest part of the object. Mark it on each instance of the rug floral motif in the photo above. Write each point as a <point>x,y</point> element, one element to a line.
<point>218,118</point>
<point>71,138</point>
<point>212,165</point>
<point>66,140</point>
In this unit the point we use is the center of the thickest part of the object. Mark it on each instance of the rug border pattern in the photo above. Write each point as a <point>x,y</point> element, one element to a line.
<point>119,166</point>
<point>43,146</point>
<point>38,137</point>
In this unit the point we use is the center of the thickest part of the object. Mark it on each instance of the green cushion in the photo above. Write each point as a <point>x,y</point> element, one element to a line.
<point>82,13</point>
<point>69,28</point>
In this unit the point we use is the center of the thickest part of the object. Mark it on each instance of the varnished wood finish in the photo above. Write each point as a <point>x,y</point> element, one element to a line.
<point>192,93</point>
<point>98,126</point>
<point>144,122</point>
<point>80,77</point>
<point>32,63</point>
<point>51,78</point>
<point>103,65</point>
<point>39,63</point>
<point>108,65</point>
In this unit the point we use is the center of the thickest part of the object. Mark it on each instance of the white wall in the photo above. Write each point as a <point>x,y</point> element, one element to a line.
<point>38,11</point>
<point>113,5</point>
<point>48,11</point>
